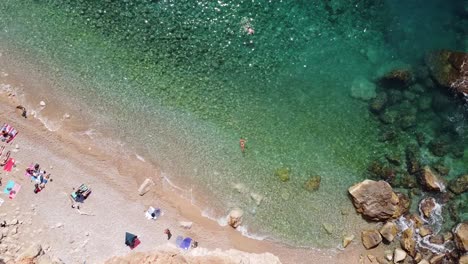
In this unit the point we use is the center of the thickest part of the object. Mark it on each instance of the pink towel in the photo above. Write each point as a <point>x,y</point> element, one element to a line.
<point>15,190</point>
<point>9,165</point>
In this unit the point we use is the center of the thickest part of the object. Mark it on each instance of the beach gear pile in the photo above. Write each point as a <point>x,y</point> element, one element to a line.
<point>7,134</point>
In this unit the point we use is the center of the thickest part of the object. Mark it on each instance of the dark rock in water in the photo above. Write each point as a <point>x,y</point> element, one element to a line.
<point>453,211</point>
<point>424,103</point>
<point>458,150</point>
<point>418,222</point>
<point>377,104</point>
<point>459,185</point>
<point>450,69</point>
<point>379,170</point>
<point>441,103</point>
<point>394,159</point>
<point>376,200</point>
<point>313,183</point>
<point>389,116</point>
<point>407,121</point>
<point>388,135</point>
<point>394,97</point>
<point>437,239</point>
<point>370,238</point>
<point>412,159</point>
<point>417,89</point>
<point>397,79</point>
<point>460,233</point>
<point>405,180</point>
<point>439,147</point>
<point>427,206</point>
<point>410,95</point>
<point>404,203</point>
<point>430,180</point>
<point>440,168</point>
<point>420,138</point>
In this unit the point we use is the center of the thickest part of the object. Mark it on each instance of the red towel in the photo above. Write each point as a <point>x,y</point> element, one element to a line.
<point>9,165</point>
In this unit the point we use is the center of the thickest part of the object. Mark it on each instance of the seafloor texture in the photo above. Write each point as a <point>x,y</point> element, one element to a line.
<point>180,82</point>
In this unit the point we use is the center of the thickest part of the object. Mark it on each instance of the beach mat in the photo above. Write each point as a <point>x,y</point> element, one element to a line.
<point>9,165</point>
<point>15,190</point>
<point>136,242</point>
<point>9,187</point>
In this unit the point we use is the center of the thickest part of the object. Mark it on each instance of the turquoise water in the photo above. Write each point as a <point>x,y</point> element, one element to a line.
<point>192,81</point>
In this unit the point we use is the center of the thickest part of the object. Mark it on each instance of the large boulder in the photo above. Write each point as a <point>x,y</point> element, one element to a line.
<point>375,200</point>
<point>459,185</point>
<point>450,69</point>
<point>430,180</point>
<point>30,253</point>
<point>460,233</point>
<point>370,238</point>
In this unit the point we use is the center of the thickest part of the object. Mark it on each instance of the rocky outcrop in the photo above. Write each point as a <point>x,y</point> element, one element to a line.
<point>376,200</point>
<point>198,255</point>
<point>459,185</point>
<point>370,238</point>
<point>450,69</point>
<point>235,217</point>
<point>397,78</point>
<point>460,233</point>
<point>430,180</point>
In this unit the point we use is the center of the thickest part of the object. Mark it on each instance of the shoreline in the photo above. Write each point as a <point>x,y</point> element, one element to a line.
<point>77,152</point>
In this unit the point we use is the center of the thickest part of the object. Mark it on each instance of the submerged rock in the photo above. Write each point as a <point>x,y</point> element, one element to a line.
<point>430,180</point>
<point>313,183</point>
<point>439,147</point>
<point>370,238</point>
<point>450,69</point>
<point>459,185</point>
<point>283,174</point>
<point>377,105</point>
<point>375,200</point>
<point>397,78</point>
<point>363,89</point>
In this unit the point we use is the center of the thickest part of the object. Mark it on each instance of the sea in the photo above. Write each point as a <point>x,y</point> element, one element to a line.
<point>179,83</point>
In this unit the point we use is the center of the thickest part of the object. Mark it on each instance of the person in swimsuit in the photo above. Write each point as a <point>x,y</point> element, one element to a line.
<point>242,144</point>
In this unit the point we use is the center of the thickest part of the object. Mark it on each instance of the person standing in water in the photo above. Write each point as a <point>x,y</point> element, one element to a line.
<point>242,145</point>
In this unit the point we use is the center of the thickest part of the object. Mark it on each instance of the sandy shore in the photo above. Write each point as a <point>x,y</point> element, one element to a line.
<point>97,233</point>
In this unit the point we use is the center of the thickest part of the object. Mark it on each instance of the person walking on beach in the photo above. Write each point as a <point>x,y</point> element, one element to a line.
<point>242,145</point>
<point>168,233</point>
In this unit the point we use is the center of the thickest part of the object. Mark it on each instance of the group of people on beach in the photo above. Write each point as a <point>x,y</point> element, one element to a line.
<point>39,177</point>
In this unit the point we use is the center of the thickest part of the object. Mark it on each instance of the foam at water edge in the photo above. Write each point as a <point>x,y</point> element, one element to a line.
<point>244,231</point>
<point>140,157</point>
<point>166,179</point>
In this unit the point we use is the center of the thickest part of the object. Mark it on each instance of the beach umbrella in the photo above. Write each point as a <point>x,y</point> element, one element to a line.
<point>130,239</point>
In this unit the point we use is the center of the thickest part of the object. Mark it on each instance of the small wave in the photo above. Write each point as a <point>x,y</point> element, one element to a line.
<point>52,126</point>
<point>244,231</point>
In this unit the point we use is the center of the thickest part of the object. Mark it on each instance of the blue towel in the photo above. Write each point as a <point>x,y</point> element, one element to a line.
<point>9,186</point>
<point>186,243</point>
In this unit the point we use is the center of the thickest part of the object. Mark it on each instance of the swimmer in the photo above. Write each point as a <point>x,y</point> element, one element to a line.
<point>242,144</point>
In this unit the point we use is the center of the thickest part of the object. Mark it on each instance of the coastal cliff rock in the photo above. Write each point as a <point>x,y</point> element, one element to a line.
<point>370,238</point>
<point>196,256</point>
<point>460,233</point>
<point>430,180</point>
<point>235,217</point>
<point>459,185</point>
<point>450,69</point>
<point>376,200</point>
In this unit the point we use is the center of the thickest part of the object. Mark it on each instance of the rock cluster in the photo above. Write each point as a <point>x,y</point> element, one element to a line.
<point>450,69</point>
<point>11,251</point>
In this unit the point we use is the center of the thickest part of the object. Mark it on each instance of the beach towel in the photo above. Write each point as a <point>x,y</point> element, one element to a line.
<point>183,243</point>
<point>9,165</point>
<point>1,201</point>
<point>9,187</point>
<point>15,190</point>
<point>157,212</point>
<point>179,241</point>
<point>31,166</point>
<point>12,132</point>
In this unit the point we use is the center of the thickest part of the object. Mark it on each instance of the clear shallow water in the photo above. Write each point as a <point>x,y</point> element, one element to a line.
<point>192,81</point>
